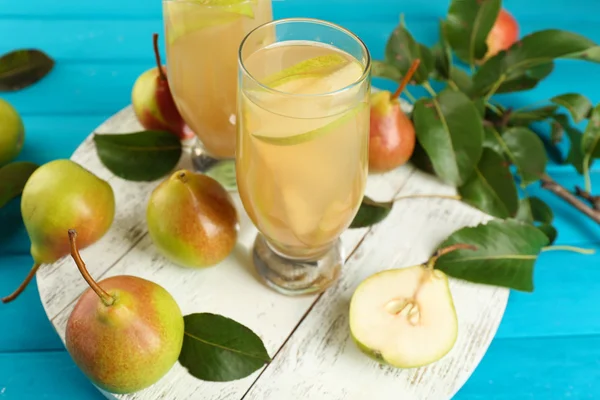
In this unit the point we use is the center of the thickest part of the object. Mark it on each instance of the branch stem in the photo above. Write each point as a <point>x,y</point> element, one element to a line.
<point>570,248</point>
<point>498,83</point>
<point>425,196</point>
<point>410,97</point>
<point>161,72</point>
<point>106,298</point>
<point>429,89</point>
<point>550,184</point>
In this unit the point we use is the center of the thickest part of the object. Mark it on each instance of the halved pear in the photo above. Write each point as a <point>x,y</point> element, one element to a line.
<point>313,67</point>
<point>404,317</point>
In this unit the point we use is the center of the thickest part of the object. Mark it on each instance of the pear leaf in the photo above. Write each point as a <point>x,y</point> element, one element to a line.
<point>450,129</point>
<point>382,69</point>
<point>527,117</point>
<point>590,142</point>
<point>22,68</point>
<point>531,51</point>
<point>549,231</point>
<point>493,140</point>
<point>402,49</point>
<point>491,188</point>
<point>224,173</point>
<point>525,80</point>
<point>534,209</point>
<point>371,212</point>
<point>575,156</point>
<point>505,256</point>
<point>526,151</point>
<point>468,25</point>
<point>13,177</point>
<point>578,105</point>
<point>218,349</point>
<point>139,156</point>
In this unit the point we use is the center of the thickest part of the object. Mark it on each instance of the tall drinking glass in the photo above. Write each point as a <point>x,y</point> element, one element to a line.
<point>302,147</point>
<point>202,40</point>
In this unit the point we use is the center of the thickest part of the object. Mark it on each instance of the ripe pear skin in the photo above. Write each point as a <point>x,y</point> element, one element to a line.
<point>58,196</point>
<point>504,33</point>
<point>62,195</point>
<point>392,137</point>
<point>192,219</point>
<point>12,133</point>
<point>131,344</point>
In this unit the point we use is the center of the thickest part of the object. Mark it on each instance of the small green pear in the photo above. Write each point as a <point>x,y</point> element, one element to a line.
<point>125,332</point>
<point>12,133</point>
<point>58,196</point>
<point>405,317</point>
<point>192,219</point>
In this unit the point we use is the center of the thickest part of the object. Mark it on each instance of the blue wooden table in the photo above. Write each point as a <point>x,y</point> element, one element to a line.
<point>548,345</point>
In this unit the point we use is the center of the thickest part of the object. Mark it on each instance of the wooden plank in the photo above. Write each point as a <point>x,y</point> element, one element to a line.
<point>56,377</point>
<point>548,368</point>
<point>322,341</point>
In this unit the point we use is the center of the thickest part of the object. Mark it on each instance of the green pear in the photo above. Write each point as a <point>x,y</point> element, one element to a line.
<point>404,317</point>
<point>58,196</point>
<point>12,133</point>
<point>125,332</point>
<point>192,219</point>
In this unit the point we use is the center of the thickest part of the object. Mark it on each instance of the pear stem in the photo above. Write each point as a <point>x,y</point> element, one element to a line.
<point>161,73</point>
<point>23,285</point>
<point>106,298</point>
<point>407,78</point>
<point>446,250</point>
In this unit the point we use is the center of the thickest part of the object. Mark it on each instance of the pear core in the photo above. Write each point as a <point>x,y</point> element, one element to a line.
<point>404,317</point>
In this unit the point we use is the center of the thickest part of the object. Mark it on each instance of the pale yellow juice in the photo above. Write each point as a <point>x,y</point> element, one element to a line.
<point>302,157</point>
<point>203,38</point>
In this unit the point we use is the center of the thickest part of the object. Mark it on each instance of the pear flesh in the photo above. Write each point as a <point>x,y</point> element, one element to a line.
<point>404,317</point>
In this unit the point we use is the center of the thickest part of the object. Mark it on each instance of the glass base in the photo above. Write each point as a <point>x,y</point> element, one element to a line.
<point>297,277</point>
<point>220,169</point>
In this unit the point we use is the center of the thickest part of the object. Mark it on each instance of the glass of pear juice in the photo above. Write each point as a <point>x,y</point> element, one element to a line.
<point>202,42</point>
<point>302,147</point>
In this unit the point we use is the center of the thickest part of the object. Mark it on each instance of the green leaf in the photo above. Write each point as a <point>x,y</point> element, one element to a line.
<point>461,79</point>
<point>526,151</point>
<point>505,256</point>
<point>468,25</point>
<point>371,212</point>
<point>591,136</point>
<point>525,80</point>
<point>534,209</point>
<point>578,105</point>
<point>575,156</point>
<point>556,133</point>
<point>491,188</point>
<point>533,50</point>
<point>219,349</point>
<point>402,49</point>
<point>139,156</point>
<point>22,68</point>
<point>382,69</point>
<point>442,54</point>
<point>549,231</point>
<point>224,173</point>
<point>450,130</point>
<point>13,177</point>
<point>527,117</point>
<point>493,140</point>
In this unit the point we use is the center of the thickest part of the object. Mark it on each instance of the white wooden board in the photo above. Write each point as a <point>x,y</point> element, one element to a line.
<point>308,337</point>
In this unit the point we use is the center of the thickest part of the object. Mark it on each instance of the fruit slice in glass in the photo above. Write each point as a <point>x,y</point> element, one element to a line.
<point>302,148</point>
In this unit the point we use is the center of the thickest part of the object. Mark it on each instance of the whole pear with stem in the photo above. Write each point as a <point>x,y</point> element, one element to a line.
<point>153,103</point>
<point>60,195</point>
<point>392,137</point>
<point>125,332</point>
<point>405,317</point>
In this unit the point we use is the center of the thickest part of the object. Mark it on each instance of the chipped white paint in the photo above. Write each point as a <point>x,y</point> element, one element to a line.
<point>307,336</point>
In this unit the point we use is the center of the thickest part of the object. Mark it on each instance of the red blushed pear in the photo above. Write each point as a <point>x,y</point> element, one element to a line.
<point>504,34</point>
<point>192,219</point>
<point>58,196</point>
<point>153,102</point>
<point>125,332</point>
<point>392,136</point>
